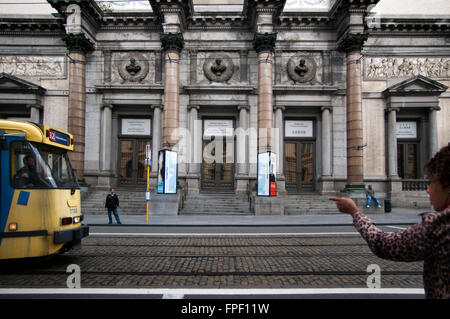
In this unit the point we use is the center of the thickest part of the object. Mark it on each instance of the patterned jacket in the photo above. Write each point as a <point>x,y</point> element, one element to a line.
<point>429,240</point>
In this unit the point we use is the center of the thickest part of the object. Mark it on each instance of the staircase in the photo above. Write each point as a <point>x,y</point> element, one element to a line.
<point>308,204</point>
<point>216,204</point>
<point>132,202</point>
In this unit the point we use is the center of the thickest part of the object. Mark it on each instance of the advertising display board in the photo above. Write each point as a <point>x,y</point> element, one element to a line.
<point>267,185</point>
<point>167,172</point>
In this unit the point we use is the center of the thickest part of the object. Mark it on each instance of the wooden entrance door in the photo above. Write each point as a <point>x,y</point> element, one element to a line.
<point>299,166</point>
<point>218,164</point>
<point>132,161</point>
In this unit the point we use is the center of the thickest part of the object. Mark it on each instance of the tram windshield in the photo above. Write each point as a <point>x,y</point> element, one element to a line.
<point>35,165</point>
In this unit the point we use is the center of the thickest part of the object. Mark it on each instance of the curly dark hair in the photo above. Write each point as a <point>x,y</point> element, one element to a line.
<point>439,166</point>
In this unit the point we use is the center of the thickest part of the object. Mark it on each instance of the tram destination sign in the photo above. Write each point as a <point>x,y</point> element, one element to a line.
<point>58,137</point>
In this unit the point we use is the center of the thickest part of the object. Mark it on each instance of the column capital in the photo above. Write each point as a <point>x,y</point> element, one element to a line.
<point>434,108</point>
<point>193,106</point>
<point>172,42</point>
<point>107,105</point>
<point>393,109</point>
<point>327,108</point>
<point>353,42</point>
<point>243,107</point>
<point>279,107</point>
<point>157,106</point>
<point>264,42</point>
<point>77,42</point>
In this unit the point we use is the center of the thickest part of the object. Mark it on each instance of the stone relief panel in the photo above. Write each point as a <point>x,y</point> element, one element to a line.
<point>132,67</point>
<point>301,68</point>
<point>34,66</point>
<point>218,67</point>
<point>382,68</point>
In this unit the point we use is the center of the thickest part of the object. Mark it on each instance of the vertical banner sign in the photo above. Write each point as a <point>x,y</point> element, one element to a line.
<point>267,185</point>
<point>273,174</point>
<point>167,172</point>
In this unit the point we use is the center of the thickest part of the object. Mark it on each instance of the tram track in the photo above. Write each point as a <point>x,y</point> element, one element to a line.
<point>232,262</point>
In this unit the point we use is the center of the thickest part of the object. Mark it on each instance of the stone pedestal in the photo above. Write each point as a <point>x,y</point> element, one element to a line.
<point>165,204</point>
<point>268,206</point>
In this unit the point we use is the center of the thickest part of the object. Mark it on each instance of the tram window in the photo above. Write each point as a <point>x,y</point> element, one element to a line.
<point>40,166</point>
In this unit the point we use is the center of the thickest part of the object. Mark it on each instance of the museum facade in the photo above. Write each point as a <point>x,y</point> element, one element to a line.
<point>344,98</point>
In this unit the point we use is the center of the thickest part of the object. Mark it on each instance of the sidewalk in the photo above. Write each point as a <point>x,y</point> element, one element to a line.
<point>397,216</point>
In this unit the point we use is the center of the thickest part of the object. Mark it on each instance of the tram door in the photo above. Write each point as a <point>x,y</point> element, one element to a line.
<point>132,161</point>
<point>299,166</point>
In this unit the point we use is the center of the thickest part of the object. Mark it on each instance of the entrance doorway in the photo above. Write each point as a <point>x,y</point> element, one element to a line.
<point>132,161</point>
<point>407,160</point>
<point>218,164</point>
<point>299,166</point>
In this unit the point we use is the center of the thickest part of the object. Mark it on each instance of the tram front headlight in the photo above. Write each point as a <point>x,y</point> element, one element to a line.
<point>13,227</point>
<point>77,219</point>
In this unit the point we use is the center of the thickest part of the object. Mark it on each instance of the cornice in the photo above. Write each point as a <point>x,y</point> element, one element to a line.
<point>377,24</point>
<point>89,8</point>
<point>20,25</point>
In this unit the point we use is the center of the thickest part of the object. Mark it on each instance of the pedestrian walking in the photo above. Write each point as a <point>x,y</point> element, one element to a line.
<point>428,240</point>
<point>112,202</point>
<point>370,194</point>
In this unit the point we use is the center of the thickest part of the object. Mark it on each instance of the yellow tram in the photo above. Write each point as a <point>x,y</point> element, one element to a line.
<point>40,208</point>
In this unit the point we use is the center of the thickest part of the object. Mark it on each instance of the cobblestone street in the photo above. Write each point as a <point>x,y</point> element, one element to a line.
<point>215,262</point>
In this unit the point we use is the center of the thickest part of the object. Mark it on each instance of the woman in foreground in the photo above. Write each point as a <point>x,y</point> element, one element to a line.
<point>429,240</point>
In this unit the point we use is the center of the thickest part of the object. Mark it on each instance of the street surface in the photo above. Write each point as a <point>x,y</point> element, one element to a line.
<point>192,261</point>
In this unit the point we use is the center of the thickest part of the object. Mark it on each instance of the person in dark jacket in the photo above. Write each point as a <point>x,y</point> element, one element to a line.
<point>112,202</point>
<point>428,240</point>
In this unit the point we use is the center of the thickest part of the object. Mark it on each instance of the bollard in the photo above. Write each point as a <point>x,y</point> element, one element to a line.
<point>387,205</point>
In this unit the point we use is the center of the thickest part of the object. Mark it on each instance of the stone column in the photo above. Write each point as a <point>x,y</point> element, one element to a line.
<point>326,178</point>
<point>194,163</point>
<point>433,131</point>
<point>264,45</point>
<point>392,142</point>
<point>241,141</point>
<point>105,138</point>
<point>279,149</point>
<point>394,181</point>
<point>172,45</point>
<point>156,135</point>
<point>352,45</point>
<point>242,160</point>
<point>78,46</point>
<point>326,141</point>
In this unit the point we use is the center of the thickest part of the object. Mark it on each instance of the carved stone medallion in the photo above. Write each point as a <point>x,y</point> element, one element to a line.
<point>302,68</point>
<point>133,67</point>
<point>218,67</point>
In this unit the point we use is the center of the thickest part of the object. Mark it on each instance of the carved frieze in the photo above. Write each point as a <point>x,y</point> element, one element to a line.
<point>302,68</point>
<point>382,68</point>
<point>130,67</point>
<point>33,66</point>
<point>218,67</point>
